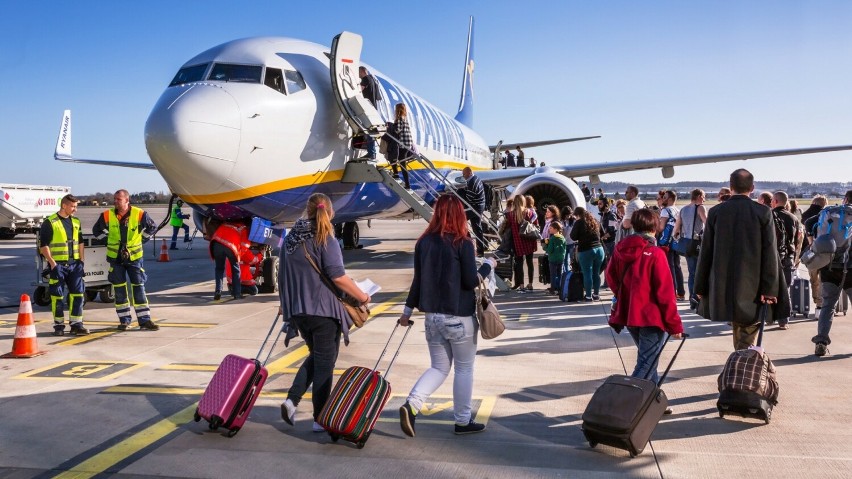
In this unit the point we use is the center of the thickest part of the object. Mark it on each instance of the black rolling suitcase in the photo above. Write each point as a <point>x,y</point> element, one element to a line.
<point>800,297</point>
<point>504,268</point>
<point>747,384</point>
<point>624,410</point>
<point>543,270</point>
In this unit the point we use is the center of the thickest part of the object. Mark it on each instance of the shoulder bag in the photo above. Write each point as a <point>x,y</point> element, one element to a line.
<point>490,323</point>
<point>689,246</point>
<point>528,231</point>
<point>356,311</point>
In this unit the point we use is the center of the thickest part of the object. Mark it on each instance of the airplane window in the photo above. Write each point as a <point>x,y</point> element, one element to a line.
<point>189,74</point>
<point>275,80</point>
<point>295,82</point>
<point>229,72</point>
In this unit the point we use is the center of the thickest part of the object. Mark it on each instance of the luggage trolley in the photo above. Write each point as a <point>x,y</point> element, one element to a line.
<point>96,271</point>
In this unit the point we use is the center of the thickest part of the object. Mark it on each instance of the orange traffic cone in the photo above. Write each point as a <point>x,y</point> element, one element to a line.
<point>25,344</point>
<point>164,253</point>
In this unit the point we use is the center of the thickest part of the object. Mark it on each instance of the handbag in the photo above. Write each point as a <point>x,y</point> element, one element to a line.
<point>691,246</point>
<point>358,313</point>
<point>490,323</point>
<point>528,231</point>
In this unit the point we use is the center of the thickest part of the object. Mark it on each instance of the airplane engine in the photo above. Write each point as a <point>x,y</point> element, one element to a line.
<point>550,188</point>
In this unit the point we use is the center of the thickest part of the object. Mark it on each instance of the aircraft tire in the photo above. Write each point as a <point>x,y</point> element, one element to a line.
<point>351,235</point>
<point>41,296</point>
<point>270,276</point>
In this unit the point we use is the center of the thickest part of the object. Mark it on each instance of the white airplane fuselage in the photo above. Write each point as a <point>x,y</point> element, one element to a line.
<point>234,147</point>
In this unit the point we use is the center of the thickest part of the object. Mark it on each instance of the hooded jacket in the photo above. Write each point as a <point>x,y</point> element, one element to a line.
<point>639,275</point>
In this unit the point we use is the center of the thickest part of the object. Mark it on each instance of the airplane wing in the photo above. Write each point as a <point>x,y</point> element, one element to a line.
<point>510,175</point>
<point>63,149</point>
<point>530,144</point>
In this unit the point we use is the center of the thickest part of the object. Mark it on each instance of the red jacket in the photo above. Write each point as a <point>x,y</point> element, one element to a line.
<point>641,280</point>
<point>232,235</point>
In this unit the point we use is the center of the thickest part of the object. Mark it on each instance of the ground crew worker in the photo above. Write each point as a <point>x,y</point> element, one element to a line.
<point>228,242</point>
<point>126,228</point>
<point>63,249</point>
<point>176,220</point>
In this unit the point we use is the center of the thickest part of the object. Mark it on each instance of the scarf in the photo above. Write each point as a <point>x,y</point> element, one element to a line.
<point>301,231</point>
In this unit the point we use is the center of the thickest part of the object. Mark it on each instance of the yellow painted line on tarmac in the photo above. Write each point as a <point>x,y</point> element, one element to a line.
<point>160,322</point>
<point>85,339</point>
<point>102,461</point>
<point>213,367</point>
<point>486,407</point>
<point>523,317</point>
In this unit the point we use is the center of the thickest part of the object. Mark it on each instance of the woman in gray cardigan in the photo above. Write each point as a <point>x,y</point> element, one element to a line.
<point>311,306</point>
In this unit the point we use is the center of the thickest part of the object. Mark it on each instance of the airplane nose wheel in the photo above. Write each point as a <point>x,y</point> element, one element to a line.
<point>350,235</point>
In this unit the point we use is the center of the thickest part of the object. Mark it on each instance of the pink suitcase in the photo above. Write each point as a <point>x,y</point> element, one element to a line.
<point>232,392</point>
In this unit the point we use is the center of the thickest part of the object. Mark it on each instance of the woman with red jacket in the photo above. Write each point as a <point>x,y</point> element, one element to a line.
<point>644,301</point>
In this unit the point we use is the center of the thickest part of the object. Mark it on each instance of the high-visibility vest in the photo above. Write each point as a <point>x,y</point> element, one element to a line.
<point>176,217</point>
<point>134,236</point>
<point>59,242</point>
<point>232,236</point>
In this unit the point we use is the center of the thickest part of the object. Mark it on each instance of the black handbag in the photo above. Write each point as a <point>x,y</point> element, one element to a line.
<point>691,246</point>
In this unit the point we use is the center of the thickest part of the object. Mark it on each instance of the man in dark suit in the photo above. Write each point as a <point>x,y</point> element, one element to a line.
<point>738,268</point>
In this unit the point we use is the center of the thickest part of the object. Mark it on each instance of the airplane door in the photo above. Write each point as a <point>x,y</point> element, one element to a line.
<point>345,84</point>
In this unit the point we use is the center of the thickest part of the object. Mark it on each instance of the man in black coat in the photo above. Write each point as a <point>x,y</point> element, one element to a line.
<point>474,195</point>
<point>738,268</point>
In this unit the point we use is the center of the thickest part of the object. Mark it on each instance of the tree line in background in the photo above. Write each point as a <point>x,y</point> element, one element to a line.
<point>105,199</point>
<point>711,188</point>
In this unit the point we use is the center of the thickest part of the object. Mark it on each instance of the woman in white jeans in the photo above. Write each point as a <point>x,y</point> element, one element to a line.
<point>445,276</point>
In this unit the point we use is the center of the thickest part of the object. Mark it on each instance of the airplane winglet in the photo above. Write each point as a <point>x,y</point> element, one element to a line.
<point>63,142</point>
<point>63,149</point>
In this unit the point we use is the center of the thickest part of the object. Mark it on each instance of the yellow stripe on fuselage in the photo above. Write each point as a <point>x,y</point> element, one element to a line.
<point>293,183</point>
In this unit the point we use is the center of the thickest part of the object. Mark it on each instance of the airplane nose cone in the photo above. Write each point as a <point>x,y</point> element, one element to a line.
<point>193,138</point>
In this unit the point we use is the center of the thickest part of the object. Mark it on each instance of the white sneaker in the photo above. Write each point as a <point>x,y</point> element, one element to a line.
<point>318,428</point>
<point>288,411</point>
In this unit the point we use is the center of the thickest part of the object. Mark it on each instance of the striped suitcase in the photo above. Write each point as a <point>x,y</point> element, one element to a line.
<point>232,392</point>
<point>357,400</point>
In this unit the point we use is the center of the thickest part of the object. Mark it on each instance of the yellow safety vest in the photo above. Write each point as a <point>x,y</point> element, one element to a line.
<point>59,242</point>
<point>134,236</point>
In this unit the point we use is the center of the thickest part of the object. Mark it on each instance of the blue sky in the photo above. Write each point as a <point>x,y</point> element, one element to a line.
<point>655,79</point>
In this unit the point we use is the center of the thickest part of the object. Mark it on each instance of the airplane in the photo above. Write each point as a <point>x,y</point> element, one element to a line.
<point>252,127</point>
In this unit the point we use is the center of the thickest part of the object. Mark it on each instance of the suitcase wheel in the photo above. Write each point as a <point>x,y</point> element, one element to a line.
<point>196,416</point>
<point>233,432</point>
<point>214,423</point>
<point>768,416</point>
<point>360,444</point>
<point>593,444</point>
<point>334,437</point>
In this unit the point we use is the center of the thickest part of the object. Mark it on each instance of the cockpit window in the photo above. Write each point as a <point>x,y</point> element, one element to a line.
<point>275,80</point>
<point>295,82</point>
<point>189,74</point>
<point>229,72</point>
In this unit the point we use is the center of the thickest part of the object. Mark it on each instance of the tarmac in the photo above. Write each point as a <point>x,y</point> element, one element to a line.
<point>120,404</point>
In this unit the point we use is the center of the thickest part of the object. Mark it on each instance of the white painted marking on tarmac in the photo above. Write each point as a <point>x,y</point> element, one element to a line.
<point>384,255</point>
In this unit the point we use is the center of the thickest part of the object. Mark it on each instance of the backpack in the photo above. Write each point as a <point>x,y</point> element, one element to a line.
<point>666,236</point>
<point>832,238</point>
<point>780,238</point>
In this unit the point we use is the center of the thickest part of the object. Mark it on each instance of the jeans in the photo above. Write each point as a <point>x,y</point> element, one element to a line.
<point>691,265</point>
<point>677,274</point>
<point>649,340</point>
<point>322,336</point>
<point>220,254</point>
<point>555,275</point>
<point>590,264</point>
<point>371,147</point>
<point>830,298</point>
<point>451,339</point>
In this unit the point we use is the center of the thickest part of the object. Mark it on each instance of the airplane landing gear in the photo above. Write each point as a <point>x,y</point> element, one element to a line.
<point>349,233</point>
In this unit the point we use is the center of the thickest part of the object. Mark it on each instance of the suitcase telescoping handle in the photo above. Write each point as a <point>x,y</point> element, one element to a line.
<point>764,311</point>
<point>671,363</point>
<point>268,335</point>
<point>398,348</point>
